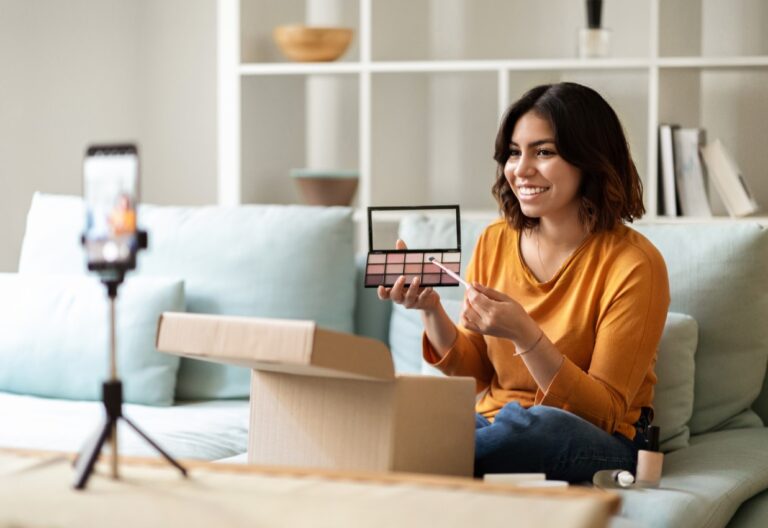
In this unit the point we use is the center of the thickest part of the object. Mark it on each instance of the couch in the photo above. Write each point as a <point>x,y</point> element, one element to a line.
<point>300,262</point>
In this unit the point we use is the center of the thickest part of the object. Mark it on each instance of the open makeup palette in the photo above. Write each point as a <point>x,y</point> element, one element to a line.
<point>386,264</point>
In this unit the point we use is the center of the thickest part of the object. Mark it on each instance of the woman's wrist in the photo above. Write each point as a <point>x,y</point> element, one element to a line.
<point>527,336</point>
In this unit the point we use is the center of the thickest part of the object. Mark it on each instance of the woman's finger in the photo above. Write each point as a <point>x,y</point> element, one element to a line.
<point>383,293</point>
<point>426,292</point>
<point>397,293</point>
<point>412,293</point>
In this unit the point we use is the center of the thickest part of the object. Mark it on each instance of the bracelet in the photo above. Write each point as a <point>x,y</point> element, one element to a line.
<point>538,340</point>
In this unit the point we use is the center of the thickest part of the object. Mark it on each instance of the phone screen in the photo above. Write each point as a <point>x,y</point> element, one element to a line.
<point>111,177</point>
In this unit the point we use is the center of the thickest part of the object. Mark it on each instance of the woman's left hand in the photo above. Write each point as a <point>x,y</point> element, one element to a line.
<point>491,312</point>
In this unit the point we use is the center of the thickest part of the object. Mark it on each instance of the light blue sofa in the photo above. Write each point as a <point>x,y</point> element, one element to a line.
<point>299,262</point>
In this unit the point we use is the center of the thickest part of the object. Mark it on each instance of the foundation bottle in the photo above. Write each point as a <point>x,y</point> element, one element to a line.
<point>650,461</point>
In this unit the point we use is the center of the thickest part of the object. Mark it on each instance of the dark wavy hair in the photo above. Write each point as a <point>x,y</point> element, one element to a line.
<point>589,136</point>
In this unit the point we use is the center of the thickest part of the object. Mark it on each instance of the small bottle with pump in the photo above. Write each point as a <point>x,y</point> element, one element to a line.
<point>650,461</point>
<point>613,478</point>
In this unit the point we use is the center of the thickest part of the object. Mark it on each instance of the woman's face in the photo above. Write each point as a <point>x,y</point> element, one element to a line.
<point>544,183</point>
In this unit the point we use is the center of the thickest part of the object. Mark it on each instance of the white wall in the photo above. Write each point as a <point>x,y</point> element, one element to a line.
<point>82,71</point>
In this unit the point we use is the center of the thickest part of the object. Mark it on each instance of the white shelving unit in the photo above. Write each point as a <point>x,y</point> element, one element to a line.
<point>427,86</point>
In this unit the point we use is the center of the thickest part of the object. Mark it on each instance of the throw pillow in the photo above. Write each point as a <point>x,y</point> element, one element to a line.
<point>281,261</point>
<point>673,400</point>
<point>54,337</point>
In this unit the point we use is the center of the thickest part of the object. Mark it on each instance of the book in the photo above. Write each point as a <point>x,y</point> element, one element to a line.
<point>690,173</point>
<point>728,180</point>
<point>667,191</point>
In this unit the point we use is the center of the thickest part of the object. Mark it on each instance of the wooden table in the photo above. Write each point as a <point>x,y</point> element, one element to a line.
<point>36,490</point>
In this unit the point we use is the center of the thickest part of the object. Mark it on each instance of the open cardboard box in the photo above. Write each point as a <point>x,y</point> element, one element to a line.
<point>326,399</point>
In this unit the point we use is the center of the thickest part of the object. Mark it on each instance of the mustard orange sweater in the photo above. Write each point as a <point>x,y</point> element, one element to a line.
<point>604,310</point>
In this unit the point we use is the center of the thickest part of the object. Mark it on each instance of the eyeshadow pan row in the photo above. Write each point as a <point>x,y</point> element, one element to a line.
<point>383,269</point>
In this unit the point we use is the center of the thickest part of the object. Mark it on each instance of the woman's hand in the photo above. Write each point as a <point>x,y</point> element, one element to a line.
<point>410,296</point>
<point>491,312</point>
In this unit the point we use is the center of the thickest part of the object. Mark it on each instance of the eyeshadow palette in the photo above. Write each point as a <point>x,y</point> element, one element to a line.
<point>384,266</point>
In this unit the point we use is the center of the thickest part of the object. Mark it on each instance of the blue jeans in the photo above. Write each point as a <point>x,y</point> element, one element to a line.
<point>548,440</point>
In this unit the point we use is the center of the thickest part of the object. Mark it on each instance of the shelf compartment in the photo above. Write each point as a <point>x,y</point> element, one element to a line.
<point>432,139</point>
<point>259,17</point>
<point>713,28</point>
<point>499,29</point>
<point>725,102</point>
<point>279,132</point>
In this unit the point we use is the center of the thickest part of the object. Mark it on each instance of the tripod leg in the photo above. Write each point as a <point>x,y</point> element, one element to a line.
<point>87,446</point>
<point>157,447</point>
<point>87,458</point>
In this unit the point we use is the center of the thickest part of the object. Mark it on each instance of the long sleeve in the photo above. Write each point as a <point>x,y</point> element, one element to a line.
<point>632,314</point>
<point>469,354</point>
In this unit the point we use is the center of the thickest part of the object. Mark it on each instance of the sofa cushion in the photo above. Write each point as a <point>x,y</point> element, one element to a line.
<point>673,395</point>
<point>54,337</point>
<point>704,484</point>
<point>752,513</point>
<point>717,275</point>
<point>202,430</point>
<point>293,262</point>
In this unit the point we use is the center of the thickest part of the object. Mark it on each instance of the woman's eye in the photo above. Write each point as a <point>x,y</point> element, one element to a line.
<point>545,152</point>
<point>514,153</point>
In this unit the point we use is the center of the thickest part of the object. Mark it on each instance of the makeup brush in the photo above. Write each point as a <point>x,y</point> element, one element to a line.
<point>450,273</point>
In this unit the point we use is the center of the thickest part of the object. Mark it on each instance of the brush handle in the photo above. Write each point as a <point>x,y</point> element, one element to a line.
<point>449,272</point>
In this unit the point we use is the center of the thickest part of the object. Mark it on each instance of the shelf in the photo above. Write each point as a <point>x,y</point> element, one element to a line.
<point>713,62</point>
<point>308,68</point>
<point>763,220</point>
<point>425,82</point>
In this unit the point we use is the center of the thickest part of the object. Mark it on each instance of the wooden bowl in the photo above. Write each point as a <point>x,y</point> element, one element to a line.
<point>312,44</point>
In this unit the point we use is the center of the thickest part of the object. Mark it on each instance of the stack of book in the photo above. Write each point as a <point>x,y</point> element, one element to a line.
<point>687,163</point>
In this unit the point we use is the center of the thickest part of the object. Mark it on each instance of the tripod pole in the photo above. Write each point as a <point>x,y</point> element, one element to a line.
<point>112,292</point>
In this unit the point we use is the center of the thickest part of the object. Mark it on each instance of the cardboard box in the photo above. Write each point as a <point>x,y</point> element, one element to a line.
<point>326,399</point>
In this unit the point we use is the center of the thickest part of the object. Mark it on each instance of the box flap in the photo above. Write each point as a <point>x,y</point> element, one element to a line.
<point>282,345</point>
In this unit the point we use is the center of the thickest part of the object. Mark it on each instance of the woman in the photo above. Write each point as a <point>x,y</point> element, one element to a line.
<point>567,305</point>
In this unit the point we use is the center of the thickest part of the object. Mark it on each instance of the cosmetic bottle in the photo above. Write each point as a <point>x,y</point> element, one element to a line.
<point>650,461</point>
<point>613,478</point>
<point>594,41</point>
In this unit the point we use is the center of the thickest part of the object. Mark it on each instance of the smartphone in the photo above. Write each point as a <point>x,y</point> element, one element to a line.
<point>111,194</point>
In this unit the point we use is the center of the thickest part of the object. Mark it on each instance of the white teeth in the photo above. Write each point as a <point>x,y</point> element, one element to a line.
<point>530,191</point>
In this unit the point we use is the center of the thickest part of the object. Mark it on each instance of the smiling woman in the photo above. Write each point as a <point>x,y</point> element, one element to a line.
<point>566,304</point>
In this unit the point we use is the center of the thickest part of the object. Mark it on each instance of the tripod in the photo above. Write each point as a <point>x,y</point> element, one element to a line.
<point>112,397</point>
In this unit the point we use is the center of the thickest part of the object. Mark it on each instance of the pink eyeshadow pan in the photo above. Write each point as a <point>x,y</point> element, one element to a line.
<point>413,268</point>
<point>395,268</point>
<point>431,268</point>
<point>431,279</point>
<point>453,266</point>
<point>375,268</point>
<point>395,257</point>
<point>374,280</point>
<point>451,257</point>
<point>447,279</point>
<point>377,259</point>
<point>392,278</point>
<point>414,257</point>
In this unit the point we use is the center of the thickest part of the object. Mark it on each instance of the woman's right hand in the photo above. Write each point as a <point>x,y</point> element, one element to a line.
<point>410,296</point>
